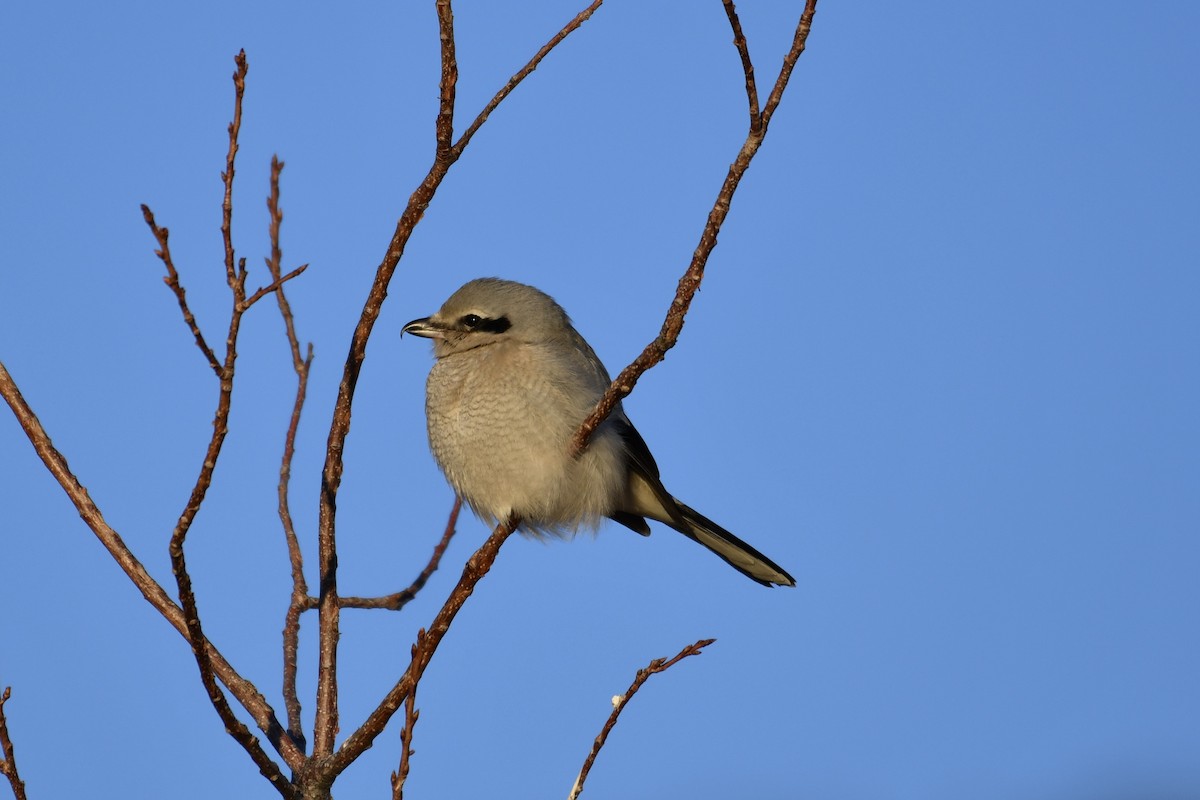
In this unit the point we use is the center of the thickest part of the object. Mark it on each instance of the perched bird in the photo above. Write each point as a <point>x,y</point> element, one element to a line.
<point>511,384</point>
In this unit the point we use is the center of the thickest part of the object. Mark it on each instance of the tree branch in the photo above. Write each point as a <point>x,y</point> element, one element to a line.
<point>397,601</point>
<point>299,597</point>
<point>799,41</point>
<point>521,74</point>
<point>689,284</point>
<point>56,464</point>
<point>273,286</point>
<point>411,715</point>
<point>620,701</point>
<point>239,88</point>
<point>172,280</point>
<point>739,41</point>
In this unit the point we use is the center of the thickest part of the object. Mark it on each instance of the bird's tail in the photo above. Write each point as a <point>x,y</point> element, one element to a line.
<point>736,553</point>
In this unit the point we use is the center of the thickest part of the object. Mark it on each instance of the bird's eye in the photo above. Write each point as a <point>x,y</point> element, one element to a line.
<point>471,321</point>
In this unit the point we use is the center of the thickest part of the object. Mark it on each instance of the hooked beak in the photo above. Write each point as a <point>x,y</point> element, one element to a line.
<point>424,327</point>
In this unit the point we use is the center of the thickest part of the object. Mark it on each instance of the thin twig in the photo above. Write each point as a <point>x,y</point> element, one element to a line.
<point>273,286</point>
<point>56,464</point>
<point>444,125</point>
<point>799,40</point>
<point>411,715</point>
<point>239,88</point>
<point>172,280</point>
<point>8,764</point>
<point>521,74</point>
<point>299,596</point>
<point>397,600</point>
<point>275,262</point>
<point>620,701</point>
<point>739,41</point>
<point>689,284</point>
<point>291,655</point>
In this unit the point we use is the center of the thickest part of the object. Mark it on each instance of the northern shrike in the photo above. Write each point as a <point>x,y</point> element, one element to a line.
<point>511,384</point>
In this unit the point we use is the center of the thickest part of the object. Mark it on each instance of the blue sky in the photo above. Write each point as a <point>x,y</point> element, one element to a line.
<point>943,368</point>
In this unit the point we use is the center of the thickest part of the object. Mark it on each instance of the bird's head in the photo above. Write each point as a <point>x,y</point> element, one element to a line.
<point>489,311</point>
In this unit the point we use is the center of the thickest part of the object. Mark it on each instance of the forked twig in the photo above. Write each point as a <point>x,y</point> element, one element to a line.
<point>620,701</point>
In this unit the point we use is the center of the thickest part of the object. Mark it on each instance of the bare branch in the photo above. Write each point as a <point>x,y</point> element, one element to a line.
<point>273,286</point>
<point>799,40</point>
<point>239,88</point>
<point>411,715</point>
<point>56,464</point>
<point>8,764</point>
<point>172,281</point>
<point>299,597</point>
<point>689,284</point>
<point>620,701</point>
<point>444,127</point>
<point>331,476</point>
<point>275,263</point>
<point>397,601</point>
<point>739,41</point>
<point>521,74</point>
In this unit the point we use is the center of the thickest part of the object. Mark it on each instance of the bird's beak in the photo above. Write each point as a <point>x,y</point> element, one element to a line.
<point>425,327</point>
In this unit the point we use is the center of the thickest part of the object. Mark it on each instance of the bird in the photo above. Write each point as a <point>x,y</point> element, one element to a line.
<point>511,383</point>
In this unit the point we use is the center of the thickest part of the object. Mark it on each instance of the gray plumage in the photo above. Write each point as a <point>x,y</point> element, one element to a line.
<point>512,382</point>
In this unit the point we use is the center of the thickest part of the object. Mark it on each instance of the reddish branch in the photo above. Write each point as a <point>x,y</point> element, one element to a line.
<point>172,281</point>
<point>444,157</point>
<point>521,74</point>
<point>397,601</point>
<point>656,351</point>
<point>8,763</point>
<point>56,464</point>
<point>299,598</point>
<point>739,41</point>
<point>411,715</point>
<point>619,703</point>
<point>235,127</point>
